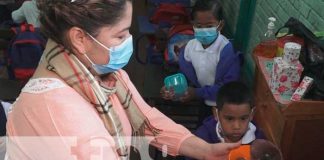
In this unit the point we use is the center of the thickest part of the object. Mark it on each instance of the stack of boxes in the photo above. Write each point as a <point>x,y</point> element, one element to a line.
<point>286,71</point>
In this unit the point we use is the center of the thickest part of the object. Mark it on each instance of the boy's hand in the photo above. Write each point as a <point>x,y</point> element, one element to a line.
<point>167,94</point>
<point>189,95</point>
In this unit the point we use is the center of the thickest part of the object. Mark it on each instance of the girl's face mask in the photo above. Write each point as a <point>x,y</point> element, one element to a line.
<point>118,56</point>
<point>206,36</point>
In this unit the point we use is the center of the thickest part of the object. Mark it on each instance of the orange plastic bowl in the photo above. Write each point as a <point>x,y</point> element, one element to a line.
<point>241,153</point>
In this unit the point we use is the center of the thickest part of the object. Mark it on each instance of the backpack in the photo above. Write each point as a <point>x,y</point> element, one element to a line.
<point>178,37</point>
<point>169,14</point>
<point>24,52</point>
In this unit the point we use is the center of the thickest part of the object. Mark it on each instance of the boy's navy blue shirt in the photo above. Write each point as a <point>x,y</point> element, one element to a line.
<point>207,131</point>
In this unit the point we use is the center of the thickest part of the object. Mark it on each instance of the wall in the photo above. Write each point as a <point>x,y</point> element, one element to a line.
<point>231,11</point>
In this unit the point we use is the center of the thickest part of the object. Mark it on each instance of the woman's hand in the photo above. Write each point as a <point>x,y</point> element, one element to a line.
<point>219,151</point>
<point>197,148</point>
<point>167,94</point>
<point>189,95</point>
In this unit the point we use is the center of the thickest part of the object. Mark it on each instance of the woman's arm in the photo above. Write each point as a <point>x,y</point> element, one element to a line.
<point>197,148</point>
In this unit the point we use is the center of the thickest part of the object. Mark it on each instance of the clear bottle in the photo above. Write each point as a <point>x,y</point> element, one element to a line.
<point>268,46</point>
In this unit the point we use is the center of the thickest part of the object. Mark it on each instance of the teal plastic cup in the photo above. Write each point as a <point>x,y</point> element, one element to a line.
<point>178,82</point>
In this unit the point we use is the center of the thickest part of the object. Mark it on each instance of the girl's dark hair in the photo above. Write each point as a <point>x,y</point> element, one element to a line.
<point>214,6</point>
<point>58,16</point>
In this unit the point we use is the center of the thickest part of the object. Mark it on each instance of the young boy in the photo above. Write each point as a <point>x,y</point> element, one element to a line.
<point>232,117</point>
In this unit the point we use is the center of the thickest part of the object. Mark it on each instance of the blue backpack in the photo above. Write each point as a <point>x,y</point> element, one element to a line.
<point>24,52</point>
<point>178,37</point>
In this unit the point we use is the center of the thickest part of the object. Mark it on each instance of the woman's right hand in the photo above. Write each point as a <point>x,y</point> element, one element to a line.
<point>197,148</point>
<point>167,94</point>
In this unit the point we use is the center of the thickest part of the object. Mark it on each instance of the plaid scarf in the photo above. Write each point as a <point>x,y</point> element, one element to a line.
<point>66,65</point>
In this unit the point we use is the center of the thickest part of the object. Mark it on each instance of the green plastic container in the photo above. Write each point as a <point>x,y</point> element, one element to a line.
<point>178,82</point>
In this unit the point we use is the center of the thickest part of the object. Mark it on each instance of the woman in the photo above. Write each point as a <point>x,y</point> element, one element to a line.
<point>80,103</point>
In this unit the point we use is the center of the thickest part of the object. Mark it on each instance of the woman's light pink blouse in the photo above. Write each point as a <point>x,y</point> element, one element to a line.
<point>50,120</point>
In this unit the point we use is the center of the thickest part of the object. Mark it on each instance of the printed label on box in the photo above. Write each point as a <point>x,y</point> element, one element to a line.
<point>291,52</point>
<point>302,89</point>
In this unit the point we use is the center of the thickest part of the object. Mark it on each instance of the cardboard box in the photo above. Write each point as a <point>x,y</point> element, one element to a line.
<point>284,78</point>
<point>291,52</point>
<point>302,89</point>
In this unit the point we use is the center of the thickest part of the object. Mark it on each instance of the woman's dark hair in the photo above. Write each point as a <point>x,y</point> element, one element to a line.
<point>208,5</point>
<point>234,93</point>
<point>58,16</point>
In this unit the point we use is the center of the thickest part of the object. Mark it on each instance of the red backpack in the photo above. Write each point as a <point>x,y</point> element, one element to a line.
<point>171,14</point>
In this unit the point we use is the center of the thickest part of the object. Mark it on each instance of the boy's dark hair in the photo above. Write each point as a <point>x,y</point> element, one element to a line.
<point>208,5</point>
<point>234,93</point>
<point>264,150</point>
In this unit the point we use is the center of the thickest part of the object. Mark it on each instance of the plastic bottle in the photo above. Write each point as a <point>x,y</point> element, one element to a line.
<point>268,46</point>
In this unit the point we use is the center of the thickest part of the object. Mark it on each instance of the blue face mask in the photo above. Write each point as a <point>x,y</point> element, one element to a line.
<point>118,56</point>
<point>206,36</point>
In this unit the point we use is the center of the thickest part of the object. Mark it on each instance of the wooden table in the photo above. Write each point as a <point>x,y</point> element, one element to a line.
<point>296,127</point>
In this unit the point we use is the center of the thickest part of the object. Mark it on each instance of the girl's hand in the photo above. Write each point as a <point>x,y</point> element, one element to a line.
<point>167,94</point>
<point>189,95</point>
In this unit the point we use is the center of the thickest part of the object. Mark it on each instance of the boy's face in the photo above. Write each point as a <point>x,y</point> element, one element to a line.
<point>234,120</point>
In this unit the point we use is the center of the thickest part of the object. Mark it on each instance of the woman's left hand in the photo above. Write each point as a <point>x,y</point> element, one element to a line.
<point>189,95</point>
